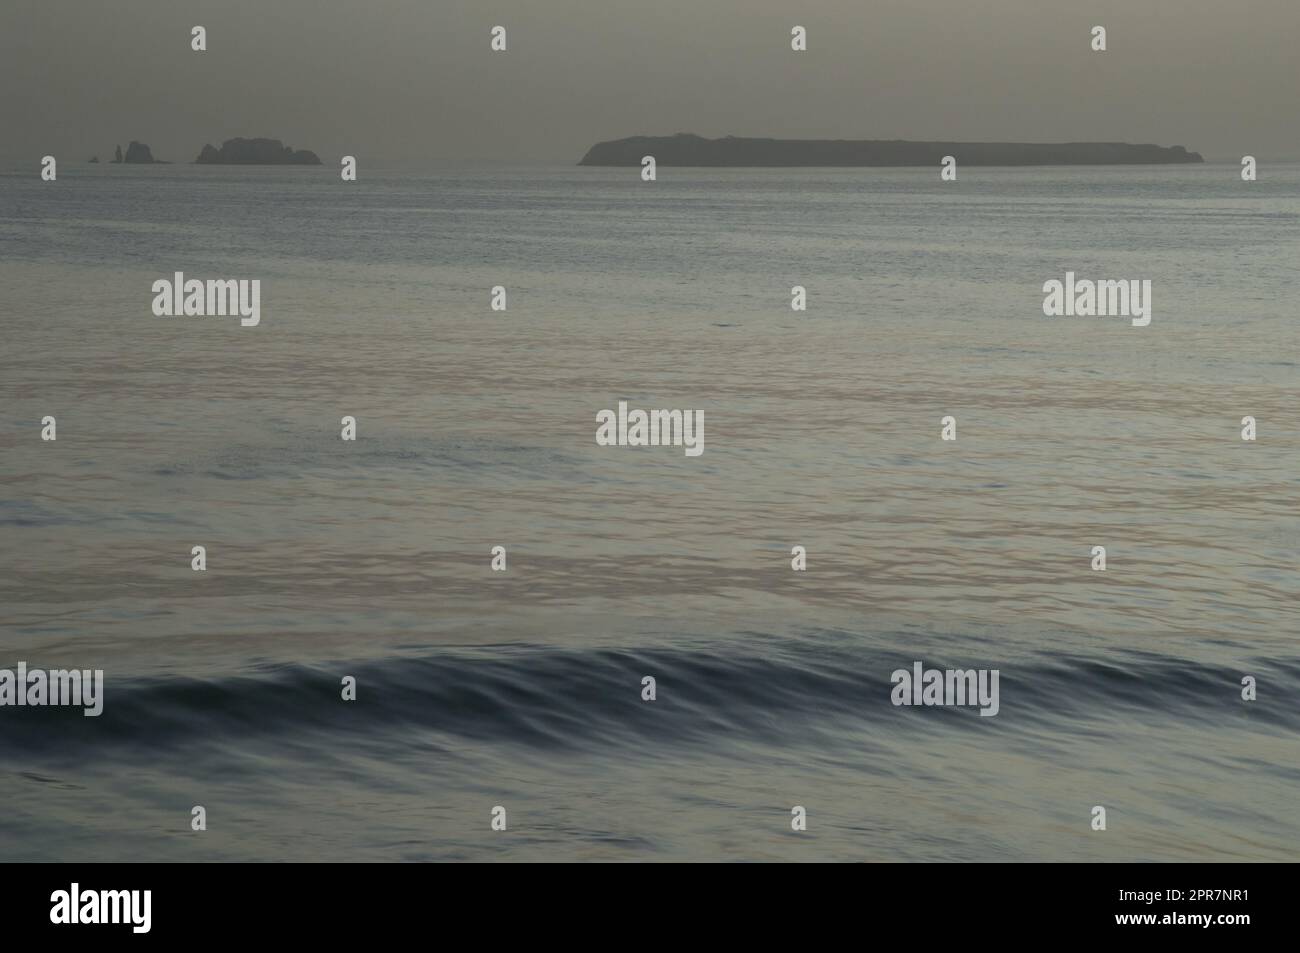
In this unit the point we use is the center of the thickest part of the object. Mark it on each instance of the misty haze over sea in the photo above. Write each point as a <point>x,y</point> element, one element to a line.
<point>979,322</point>
<point>476,428</point>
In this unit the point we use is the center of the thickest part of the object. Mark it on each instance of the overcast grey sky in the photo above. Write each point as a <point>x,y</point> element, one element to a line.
<point>414,80</point>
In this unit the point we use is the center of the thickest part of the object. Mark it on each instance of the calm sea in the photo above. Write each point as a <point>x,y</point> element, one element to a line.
<point>476,428</point>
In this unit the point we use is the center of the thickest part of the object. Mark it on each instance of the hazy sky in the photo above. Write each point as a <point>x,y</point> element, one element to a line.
<point>413,80</point>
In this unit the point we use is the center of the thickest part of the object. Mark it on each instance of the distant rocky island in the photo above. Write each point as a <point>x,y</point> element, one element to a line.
<point>686,149</point>
<point>255,152</point>
<point>136,153</point>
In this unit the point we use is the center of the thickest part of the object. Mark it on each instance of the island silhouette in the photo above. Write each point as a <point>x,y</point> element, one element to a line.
<point>688,149</point>
<point>255,152</point>
<point>232,152</point>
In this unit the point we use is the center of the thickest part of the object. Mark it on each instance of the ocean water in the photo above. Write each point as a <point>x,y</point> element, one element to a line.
<point>822,429</point>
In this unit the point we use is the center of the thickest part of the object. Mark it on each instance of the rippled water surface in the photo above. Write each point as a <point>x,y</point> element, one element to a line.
<point>476,428</point>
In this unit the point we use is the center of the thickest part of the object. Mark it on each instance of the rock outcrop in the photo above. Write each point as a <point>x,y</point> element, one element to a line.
<point>685,149</point>
<point>255,152</point>
<point>138,152</point>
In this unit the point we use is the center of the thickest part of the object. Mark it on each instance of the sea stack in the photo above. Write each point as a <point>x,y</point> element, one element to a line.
<point>138,153</point>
